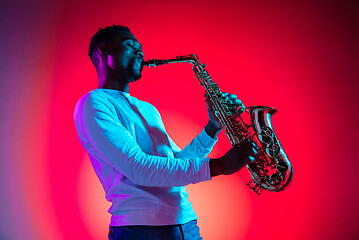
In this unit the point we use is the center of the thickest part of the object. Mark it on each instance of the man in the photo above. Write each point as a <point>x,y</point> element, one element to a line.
<point>142,170</point>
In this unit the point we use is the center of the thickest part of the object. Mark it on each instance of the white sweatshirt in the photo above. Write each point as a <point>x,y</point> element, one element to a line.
<point>141,169</point>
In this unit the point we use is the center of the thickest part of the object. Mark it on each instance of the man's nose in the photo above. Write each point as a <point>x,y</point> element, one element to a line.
<point>139,53</point>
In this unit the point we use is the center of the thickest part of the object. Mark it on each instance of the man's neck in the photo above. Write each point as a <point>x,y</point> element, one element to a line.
<point>120,86</point>
<point>110,81</point>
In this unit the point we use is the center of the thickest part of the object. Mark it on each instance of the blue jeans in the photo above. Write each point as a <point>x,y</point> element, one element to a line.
<point>187,231</point>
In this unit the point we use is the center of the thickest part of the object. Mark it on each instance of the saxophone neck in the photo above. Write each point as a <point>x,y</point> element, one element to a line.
<point>193,59</point>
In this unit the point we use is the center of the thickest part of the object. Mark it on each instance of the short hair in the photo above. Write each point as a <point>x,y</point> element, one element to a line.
<point>104,35</point>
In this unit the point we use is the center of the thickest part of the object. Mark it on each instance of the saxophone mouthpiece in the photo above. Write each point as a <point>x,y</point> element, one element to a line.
<point>154,62</point>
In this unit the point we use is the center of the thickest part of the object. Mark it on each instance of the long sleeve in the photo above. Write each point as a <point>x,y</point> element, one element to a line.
<point>106,138</point>
<point>199,147</point>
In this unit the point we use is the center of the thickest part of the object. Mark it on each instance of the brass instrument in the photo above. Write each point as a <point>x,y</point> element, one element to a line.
<point>271,170</point>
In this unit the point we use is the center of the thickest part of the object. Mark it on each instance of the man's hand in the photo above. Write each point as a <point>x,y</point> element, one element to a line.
<point>214,126</point>
<point>235,159</point>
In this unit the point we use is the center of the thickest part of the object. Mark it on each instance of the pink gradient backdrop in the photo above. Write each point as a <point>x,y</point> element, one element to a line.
<point>299,57</point>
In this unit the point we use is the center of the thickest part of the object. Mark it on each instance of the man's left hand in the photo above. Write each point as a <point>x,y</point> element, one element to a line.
<point>214,125</point>
<point>231,99</point>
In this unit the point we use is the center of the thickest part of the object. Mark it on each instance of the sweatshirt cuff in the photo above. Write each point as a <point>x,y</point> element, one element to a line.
<point>205,140</point>
<point>203,170</point>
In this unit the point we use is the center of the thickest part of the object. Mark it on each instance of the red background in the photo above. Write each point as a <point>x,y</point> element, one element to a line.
<point>300,57</point>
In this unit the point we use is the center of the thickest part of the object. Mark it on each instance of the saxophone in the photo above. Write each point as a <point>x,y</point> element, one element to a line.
<point>271,170</point>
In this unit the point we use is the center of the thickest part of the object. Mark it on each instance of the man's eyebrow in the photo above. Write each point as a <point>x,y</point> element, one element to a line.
<point>134,41</point>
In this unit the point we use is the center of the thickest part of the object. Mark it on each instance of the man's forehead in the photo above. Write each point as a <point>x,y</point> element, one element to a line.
<point>124,36</point>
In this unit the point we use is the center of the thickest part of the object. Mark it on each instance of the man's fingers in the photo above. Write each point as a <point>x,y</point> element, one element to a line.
<point>229,96</point>
<point>232,96</point>
<point>247,148</point>
<point>248,143</point>
<point>249,159</point>
<point>237,101</point>
<point>233,99</point>
<point>249,152</point>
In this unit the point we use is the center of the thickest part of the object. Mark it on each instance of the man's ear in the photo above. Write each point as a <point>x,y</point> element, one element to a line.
<point>102,48</point>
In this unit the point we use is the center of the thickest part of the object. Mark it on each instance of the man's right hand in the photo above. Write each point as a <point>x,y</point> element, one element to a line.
<point>235,159</point>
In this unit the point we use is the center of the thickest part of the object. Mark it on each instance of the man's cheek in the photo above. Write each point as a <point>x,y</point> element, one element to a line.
<point>122,62</point>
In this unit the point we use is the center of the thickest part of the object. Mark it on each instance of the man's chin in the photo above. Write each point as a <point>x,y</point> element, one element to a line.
<point>135,78</point>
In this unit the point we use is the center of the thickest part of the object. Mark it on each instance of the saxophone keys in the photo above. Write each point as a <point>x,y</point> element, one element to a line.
<point>281,166</point>
<point>274,179</point>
